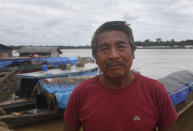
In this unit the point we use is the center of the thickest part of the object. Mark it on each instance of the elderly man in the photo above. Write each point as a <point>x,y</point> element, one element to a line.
<point>118,99</point>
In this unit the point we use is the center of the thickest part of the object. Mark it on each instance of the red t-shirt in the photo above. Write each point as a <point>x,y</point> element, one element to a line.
<point>139,107</point>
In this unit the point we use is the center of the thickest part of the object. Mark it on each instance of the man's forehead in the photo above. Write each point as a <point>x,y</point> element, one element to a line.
<point>112,35</point>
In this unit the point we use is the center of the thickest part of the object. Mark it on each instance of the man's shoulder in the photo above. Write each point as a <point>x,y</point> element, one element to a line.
<point>146,79</point>
<point>150,82</point>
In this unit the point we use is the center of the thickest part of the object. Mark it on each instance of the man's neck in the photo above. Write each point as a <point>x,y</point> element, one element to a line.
<point>117,82</point>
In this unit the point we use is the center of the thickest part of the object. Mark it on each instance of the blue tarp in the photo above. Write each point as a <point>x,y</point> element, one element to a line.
<point>63,90</point>
<point>56,61</point>
<point>73,60</point>
<point>180,95</point>
<point>61,60</point>
<point>178,85</point>
<point>4,63</point>
<point>62,98</point>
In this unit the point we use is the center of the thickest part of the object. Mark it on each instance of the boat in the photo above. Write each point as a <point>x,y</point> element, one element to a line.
<point>180,89</point>
<point>51,96</point>
<point>34,63</point>
<point>30,117</point>
<point>30,64</point>
<point>17,104</point>
<point>87,69</point>
<point>49,90</point>
<point>18,65</point>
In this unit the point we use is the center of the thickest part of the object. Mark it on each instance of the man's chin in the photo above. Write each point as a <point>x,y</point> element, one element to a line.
<point>115,75</point>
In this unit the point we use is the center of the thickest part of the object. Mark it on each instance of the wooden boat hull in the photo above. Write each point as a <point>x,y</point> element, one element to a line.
<point>18,105</point>
<point>25,118</point>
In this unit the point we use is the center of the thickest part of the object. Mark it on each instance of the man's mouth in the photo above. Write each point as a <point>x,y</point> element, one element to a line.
<point>113,66</point>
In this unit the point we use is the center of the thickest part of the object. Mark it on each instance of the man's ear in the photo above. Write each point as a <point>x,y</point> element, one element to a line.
<point>133,56</point>
<point>96,61</point>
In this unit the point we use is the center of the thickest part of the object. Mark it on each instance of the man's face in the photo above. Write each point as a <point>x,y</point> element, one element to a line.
<point>114,55</point>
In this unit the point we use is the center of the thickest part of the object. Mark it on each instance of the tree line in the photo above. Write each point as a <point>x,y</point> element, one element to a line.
<point>143,44</point>
<point>172,43</point>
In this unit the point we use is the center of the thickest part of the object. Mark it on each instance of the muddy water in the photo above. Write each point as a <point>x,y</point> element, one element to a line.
<point>185,121</point>
<point>56,125</point>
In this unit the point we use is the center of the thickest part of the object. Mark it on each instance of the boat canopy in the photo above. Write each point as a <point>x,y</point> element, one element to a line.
<point>178,85</point>
<point>62,87</point>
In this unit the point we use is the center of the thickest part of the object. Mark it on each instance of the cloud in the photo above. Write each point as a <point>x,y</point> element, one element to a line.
<point>51,22</point>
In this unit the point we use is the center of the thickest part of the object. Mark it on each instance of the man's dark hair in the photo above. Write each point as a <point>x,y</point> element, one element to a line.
<point>110,26</point>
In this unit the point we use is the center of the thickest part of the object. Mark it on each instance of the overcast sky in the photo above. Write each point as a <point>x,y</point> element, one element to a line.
<point>72,22</point>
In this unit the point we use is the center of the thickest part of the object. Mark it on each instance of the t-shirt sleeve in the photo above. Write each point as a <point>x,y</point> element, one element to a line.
<point>71,114</point>
<point>166,111</point>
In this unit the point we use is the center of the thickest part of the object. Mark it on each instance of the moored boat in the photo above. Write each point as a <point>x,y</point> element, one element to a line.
<point>17,104</point>
<point>27,64</point>
<point>51,96</point>
<point>50,90</point>
<point>179,86</point>
<point>30,117</point>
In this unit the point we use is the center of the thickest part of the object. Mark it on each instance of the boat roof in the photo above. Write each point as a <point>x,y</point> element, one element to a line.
<point>176,80</point>
<point>4,46</point>
<point>58,72</point>
<point>38,49</point>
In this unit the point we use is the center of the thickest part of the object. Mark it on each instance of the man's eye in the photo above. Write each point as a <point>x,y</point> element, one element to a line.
<point>121,46</point>
<point>104,49</point>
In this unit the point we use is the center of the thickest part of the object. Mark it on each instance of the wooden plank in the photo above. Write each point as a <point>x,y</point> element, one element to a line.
<point>2,79</point>
<point>12,105</point>
<point>185,108</point>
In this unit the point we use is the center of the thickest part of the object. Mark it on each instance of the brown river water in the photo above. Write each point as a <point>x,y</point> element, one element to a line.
<point>56,125</point>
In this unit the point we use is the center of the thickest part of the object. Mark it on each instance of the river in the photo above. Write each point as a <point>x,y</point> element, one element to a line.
<point>154,63</point>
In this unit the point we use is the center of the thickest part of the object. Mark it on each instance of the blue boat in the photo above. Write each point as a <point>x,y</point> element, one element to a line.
<point>179,86</point>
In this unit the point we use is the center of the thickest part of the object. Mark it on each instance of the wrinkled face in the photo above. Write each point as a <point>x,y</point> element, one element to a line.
<point>114,55</point>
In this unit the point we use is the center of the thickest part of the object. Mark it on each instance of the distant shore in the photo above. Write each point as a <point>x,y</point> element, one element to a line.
<point>138,47</point>
<point>164,47</point>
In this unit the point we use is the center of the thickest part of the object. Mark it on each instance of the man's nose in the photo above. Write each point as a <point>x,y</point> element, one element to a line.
<point>114,54</point>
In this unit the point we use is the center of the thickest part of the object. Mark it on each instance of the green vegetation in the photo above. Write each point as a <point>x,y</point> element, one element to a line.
<point>143,44</point>
<point>170,44</point>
